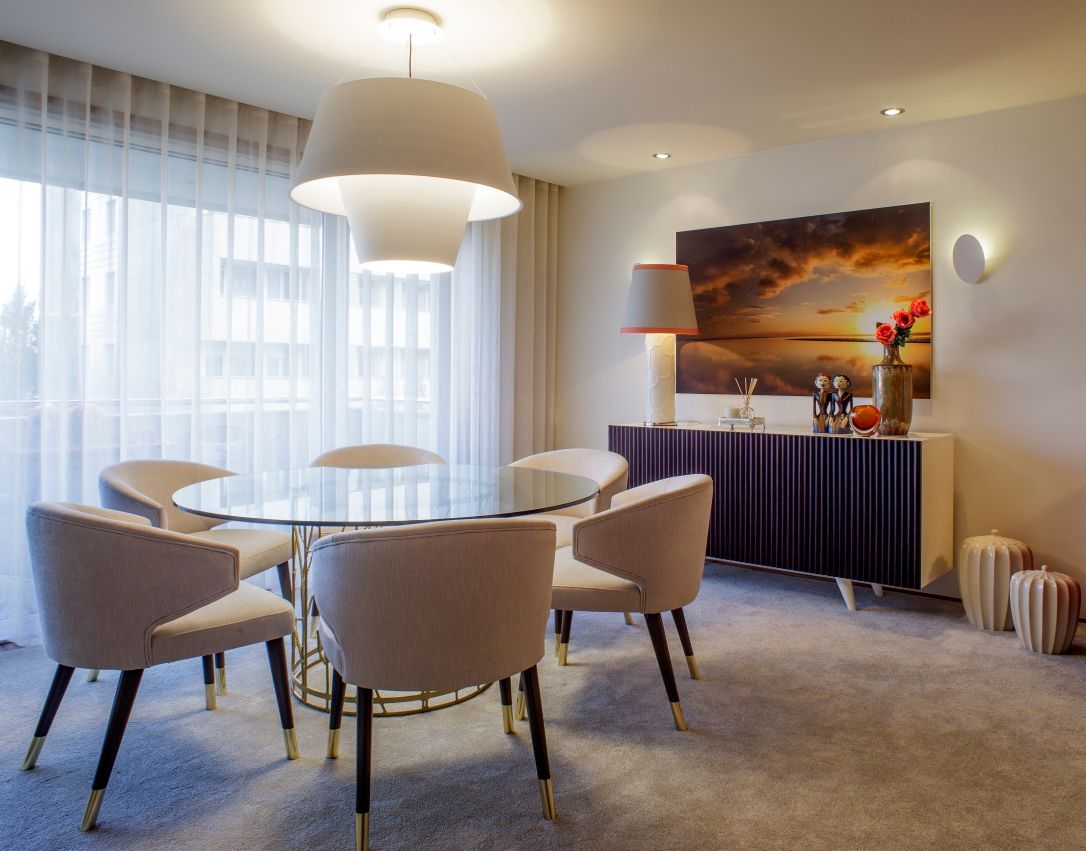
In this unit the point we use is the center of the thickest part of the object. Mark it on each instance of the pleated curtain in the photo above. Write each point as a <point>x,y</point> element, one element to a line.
<point>162,297</point>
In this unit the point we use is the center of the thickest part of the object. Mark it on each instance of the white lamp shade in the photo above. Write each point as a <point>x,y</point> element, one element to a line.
<point>660,301</point>
<point>409,162</point>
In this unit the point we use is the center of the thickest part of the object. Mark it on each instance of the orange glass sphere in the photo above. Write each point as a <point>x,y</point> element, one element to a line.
<point>865,420</point>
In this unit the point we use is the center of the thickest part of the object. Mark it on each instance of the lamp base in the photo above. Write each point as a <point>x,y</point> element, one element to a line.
<point>660,379</point>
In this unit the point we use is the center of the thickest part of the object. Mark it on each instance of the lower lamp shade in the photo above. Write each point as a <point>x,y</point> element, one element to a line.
<point>1045,607</point>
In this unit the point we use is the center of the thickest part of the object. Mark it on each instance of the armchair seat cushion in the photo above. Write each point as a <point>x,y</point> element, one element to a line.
<point>247,616</point>
<point>564,527</point>
<point>580,587</point>
<point>260,549</point>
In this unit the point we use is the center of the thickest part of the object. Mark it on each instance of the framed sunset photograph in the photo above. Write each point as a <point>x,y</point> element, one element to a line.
<point>785,300</point>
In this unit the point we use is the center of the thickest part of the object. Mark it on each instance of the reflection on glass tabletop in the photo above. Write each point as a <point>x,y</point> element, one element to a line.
<point>385,496</point>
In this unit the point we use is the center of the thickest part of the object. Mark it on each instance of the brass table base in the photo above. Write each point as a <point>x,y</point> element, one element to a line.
<point>309,667</point>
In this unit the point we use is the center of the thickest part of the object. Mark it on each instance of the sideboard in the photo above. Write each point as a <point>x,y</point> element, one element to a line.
<point>878,510</point>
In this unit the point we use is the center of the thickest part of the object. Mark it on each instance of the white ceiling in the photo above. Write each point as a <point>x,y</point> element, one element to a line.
<point>589,89</point>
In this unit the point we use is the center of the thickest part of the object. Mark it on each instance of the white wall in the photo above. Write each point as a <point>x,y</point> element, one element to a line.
<point>1009,353</point>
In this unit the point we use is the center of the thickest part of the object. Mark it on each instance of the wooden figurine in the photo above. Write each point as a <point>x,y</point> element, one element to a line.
<point>823,412</point>
<point>842,404</point>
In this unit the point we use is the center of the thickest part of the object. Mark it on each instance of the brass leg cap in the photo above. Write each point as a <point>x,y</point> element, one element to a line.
<point>92,675</point>
<point>361,831</point>
<point>677,712</point>
<point>563,653</point>
<point>557,641</point>
<point>333,744</point>
<point>209,696</point>
<point>546,795</point>
<point>32,752</point>
<point>507,718</point>
<point>220,681</point>
<point>291,740</point>
<point>94,804</point>
<point>629,618</point>
<point>521,710</point>
<point>692,664</point>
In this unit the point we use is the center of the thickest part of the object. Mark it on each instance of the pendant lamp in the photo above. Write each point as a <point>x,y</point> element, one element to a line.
<point>409,162</point>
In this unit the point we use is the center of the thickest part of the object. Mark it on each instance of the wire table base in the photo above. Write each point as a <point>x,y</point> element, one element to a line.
<point>309,667</point>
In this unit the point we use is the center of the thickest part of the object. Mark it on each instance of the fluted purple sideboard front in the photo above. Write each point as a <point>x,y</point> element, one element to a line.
<point>876,510</point>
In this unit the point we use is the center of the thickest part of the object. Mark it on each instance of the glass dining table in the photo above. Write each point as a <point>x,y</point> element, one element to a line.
<point>316,501</point>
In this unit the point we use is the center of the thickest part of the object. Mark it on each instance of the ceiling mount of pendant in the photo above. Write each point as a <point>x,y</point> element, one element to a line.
<point>406,23</point>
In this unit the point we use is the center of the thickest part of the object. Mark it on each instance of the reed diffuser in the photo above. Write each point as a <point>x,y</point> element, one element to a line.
<point>746,390</point>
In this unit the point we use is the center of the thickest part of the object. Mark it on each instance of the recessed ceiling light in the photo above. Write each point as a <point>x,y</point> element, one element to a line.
<point>891,111</point>
<point>405,22</point>
<point>662,155</point>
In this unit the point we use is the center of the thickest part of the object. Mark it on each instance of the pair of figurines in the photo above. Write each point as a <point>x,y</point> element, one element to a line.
<point>832,404</point>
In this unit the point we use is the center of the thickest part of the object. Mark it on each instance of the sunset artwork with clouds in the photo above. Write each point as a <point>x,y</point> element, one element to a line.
<point>785,300</point>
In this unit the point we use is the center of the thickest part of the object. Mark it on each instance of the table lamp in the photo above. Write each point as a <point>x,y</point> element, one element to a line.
<point>660,305</point>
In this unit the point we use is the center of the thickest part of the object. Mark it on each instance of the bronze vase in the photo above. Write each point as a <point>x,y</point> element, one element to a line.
<point>893,394</point>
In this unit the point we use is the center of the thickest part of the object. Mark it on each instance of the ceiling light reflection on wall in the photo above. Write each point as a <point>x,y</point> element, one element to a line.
<point>891,111</point>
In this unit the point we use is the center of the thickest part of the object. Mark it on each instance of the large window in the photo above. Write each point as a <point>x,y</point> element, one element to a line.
<point>162,297</point>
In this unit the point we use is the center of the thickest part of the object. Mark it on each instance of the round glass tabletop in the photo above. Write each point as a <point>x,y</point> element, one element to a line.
<point>387,496</point>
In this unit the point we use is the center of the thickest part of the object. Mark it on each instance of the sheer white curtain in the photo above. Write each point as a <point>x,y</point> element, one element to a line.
<point>160,296</point>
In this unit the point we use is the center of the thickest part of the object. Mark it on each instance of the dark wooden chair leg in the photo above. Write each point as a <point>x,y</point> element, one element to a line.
<point>220,673</point>
<point>286,584</point>
<point>557,630</point>
<point>521,711</point>
<point>679,616</point>
<point>530,681</point>
<point>209,681</point>
<point>335,713</point>
<point>363,754</point>
<point>563,645</point>
<point>127,687</point>
<point>506,688</point>
<point>663,658</point>
<point>277,660</point>
<point>61,678</point>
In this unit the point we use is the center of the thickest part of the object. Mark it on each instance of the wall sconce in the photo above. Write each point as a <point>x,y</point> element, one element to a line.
<point>969,258</point>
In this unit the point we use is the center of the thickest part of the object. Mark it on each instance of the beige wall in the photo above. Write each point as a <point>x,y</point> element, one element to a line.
<point>1010,353</point>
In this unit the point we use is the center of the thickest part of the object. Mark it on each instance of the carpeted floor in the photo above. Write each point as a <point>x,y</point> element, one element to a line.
<point>899,726</point>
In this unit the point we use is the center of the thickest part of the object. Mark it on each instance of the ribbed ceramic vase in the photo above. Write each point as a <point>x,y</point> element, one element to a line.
<point>1045,607</point>
<point>985,566</point>
<point>893,394</point>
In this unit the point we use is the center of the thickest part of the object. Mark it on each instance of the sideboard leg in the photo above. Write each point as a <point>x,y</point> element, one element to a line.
<point>845,587</point>
<point>878,590</point>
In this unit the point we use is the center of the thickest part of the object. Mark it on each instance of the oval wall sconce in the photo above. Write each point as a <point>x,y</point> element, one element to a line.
<point>969,258</point>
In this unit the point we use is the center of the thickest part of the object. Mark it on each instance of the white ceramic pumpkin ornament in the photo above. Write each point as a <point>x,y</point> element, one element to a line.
<point>1045,607</point>
<point>985,566</point>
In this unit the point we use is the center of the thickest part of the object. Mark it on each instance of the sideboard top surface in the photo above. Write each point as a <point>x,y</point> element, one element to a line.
<point>693,425</point>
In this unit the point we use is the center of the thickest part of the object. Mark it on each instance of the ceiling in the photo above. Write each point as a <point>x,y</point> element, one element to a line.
<point>590,89</point>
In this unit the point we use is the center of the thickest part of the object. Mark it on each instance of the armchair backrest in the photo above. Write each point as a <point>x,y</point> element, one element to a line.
<point>654,535</point>
<point>105,579</point>
<point>369,455</point>
<point>435,605</point>
<point>146,487</point>
<point>607,469</point>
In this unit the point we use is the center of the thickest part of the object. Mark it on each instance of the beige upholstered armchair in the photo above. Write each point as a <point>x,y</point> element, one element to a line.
<point>434,606</point>
<point>115,593</point>
<point>376,455</point>
<point>645,554</point>
<point>607,469</point>
<point>146,488</point>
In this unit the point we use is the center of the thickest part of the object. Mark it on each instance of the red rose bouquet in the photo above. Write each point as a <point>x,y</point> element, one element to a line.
<point>896,333</point>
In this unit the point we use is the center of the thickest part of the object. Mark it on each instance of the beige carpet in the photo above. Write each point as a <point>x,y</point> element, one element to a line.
<point>899,726</point>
